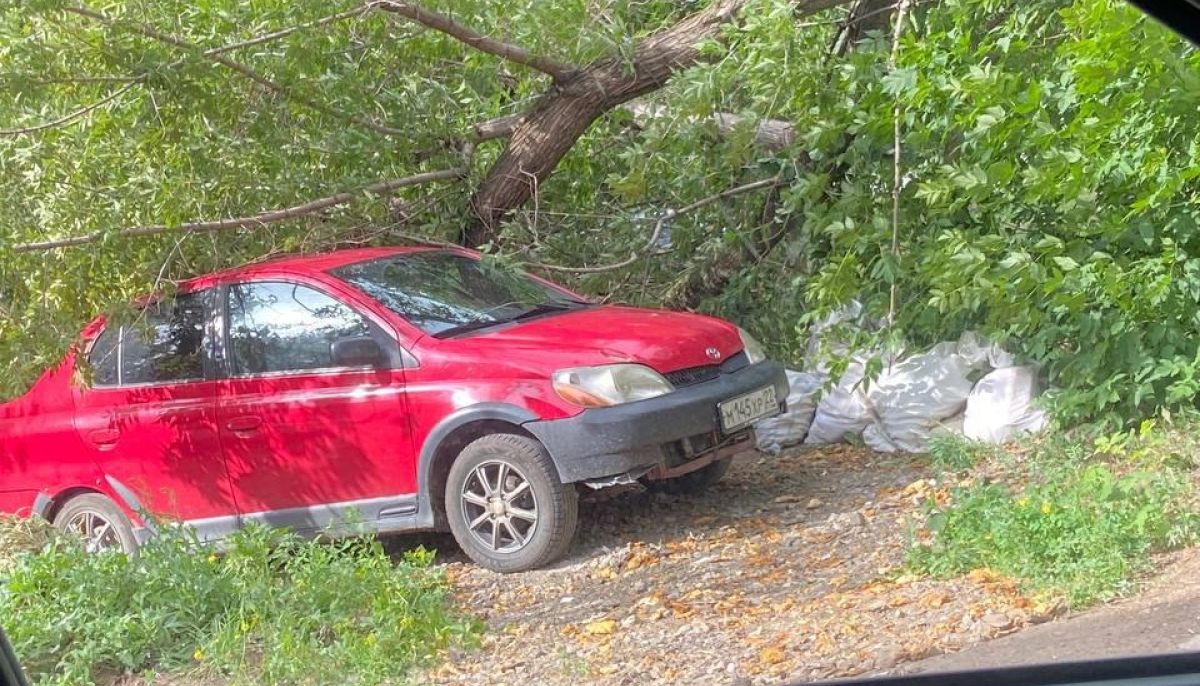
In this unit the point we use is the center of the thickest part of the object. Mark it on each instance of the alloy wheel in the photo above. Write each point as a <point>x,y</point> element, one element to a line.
<point>499,506</point>
<point>97,533</point>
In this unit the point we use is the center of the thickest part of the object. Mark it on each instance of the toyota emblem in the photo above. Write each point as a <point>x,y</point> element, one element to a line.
<point>713,353</point>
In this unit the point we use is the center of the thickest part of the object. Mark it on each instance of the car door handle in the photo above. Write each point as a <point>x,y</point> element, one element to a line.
<point>104,438</point>
<point>244,424</point>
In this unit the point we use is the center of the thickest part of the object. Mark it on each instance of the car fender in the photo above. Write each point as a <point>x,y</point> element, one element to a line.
<point>505,412</point>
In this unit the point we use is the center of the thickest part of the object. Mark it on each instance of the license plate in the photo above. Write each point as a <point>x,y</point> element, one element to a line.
<point>744,410</point>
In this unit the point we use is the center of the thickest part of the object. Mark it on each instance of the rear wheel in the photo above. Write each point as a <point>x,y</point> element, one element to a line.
<point>692,482</point>
<point>98,523</point>
<point>506,506</point>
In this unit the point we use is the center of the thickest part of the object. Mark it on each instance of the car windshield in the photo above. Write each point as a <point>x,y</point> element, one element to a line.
<point>446,294</point>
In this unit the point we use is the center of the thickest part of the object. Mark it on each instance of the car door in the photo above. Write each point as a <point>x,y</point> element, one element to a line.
<point>149,413</point>
<point>310,441</point>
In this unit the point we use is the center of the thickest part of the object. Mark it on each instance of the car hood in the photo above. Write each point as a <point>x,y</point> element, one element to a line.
<point>664,341</point>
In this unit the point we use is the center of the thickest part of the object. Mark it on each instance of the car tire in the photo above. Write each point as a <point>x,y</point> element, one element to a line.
<point>692,482</point>
<point>506,506</point>
<point>98,523</point>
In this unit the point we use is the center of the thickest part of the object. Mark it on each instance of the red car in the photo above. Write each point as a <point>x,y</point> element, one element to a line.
<point>398,389</point>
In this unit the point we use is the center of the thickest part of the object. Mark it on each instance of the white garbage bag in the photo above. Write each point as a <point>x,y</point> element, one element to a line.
<point>824,341</point>
<point>842,410</point>
<point>790,428</point>
<point>876,439</point>
<point>914,397</point>
<point>1001,405</point>
<point>977,348</point>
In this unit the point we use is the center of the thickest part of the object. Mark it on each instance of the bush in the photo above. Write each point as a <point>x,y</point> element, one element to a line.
<point>1079,530</point>
<point>274,609</point>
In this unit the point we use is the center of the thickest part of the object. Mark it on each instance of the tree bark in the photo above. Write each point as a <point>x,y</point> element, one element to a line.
<point>565,113</point>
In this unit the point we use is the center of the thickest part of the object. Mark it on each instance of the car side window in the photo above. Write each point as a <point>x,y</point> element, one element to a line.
<point>286,327</point>
<point>104,357</point>
<point>166,343</point>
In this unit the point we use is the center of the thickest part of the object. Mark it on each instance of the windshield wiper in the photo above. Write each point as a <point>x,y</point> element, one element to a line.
<point>535,311</point>
<point>468,327</point>
<point>548,307</point>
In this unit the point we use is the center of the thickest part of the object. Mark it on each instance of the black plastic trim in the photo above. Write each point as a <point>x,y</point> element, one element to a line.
<point>1181,15</point>
<point>10,668</point>
<point>1148,670</point>
<point>608,441</point>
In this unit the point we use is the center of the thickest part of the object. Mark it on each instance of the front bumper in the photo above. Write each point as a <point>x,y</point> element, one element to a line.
<point>610,441</point>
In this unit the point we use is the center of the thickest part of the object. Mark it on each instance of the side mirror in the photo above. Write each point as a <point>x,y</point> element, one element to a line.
<point>357,351</point>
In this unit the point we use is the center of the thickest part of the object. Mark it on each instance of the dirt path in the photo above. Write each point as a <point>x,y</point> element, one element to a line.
<point>1164,618</point>
<point>789,569</point>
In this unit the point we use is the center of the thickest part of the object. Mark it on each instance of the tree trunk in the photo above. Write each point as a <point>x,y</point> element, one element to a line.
<point>562,115</point>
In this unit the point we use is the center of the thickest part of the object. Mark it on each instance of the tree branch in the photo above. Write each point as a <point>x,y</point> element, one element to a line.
<point>68,118</point>
<point>897,186</point>
<point>43,80</point>
<point>658,227</point>
<point>500,127</point>
<point>552,126</point>
<point>769,134</point>
<point>239,68</point>
<point>259,219</point>
<point>276,35</point>
<point>559,71</point>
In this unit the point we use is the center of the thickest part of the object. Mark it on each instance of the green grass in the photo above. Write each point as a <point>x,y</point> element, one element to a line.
<point>951,452</point>
<point>1062,518</point>
<point>274,609</point>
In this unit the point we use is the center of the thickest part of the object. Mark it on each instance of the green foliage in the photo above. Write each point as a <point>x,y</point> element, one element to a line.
<point>1062,521</point>
<point>1051,195</point>
<point>274,609</point>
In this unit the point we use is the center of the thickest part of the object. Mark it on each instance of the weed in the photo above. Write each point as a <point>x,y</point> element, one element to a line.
<point>1066,520</point>
<point>273,609</point>
<point>951,452</point>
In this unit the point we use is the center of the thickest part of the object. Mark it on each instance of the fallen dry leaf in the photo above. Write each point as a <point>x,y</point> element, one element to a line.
<point>601,627</point>
<point>772,655</point>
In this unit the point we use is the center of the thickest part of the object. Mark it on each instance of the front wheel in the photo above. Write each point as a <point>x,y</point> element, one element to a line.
<point>506,506</point>
<point>692,482</point>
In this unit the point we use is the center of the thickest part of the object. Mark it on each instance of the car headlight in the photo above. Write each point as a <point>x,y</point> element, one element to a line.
<point>754,349</point>
<point>610,384</point>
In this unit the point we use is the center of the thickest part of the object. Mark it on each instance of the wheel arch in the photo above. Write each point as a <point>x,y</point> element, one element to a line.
<point>446,441</point>
<point>47,507</point>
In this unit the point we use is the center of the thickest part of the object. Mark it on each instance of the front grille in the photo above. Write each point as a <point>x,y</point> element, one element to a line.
<point>735,363</point>
<point>693,375</point>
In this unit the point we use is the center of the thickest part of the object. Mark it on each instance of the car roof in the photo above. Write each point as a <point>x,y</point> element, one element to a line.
<point>306,264</point>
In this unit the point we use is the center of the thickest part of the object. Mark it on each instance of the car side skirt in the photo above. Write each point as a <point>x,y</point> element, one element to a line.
<point>372,515</point>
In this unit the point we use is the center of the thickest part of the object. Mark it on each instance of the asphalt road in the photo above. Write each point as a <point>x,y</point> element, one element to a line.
<point>1164,618</point>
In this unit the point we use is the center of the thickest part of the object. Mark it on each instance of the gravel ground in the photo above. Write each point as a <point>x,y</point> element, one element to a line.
<point>789,569</point>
